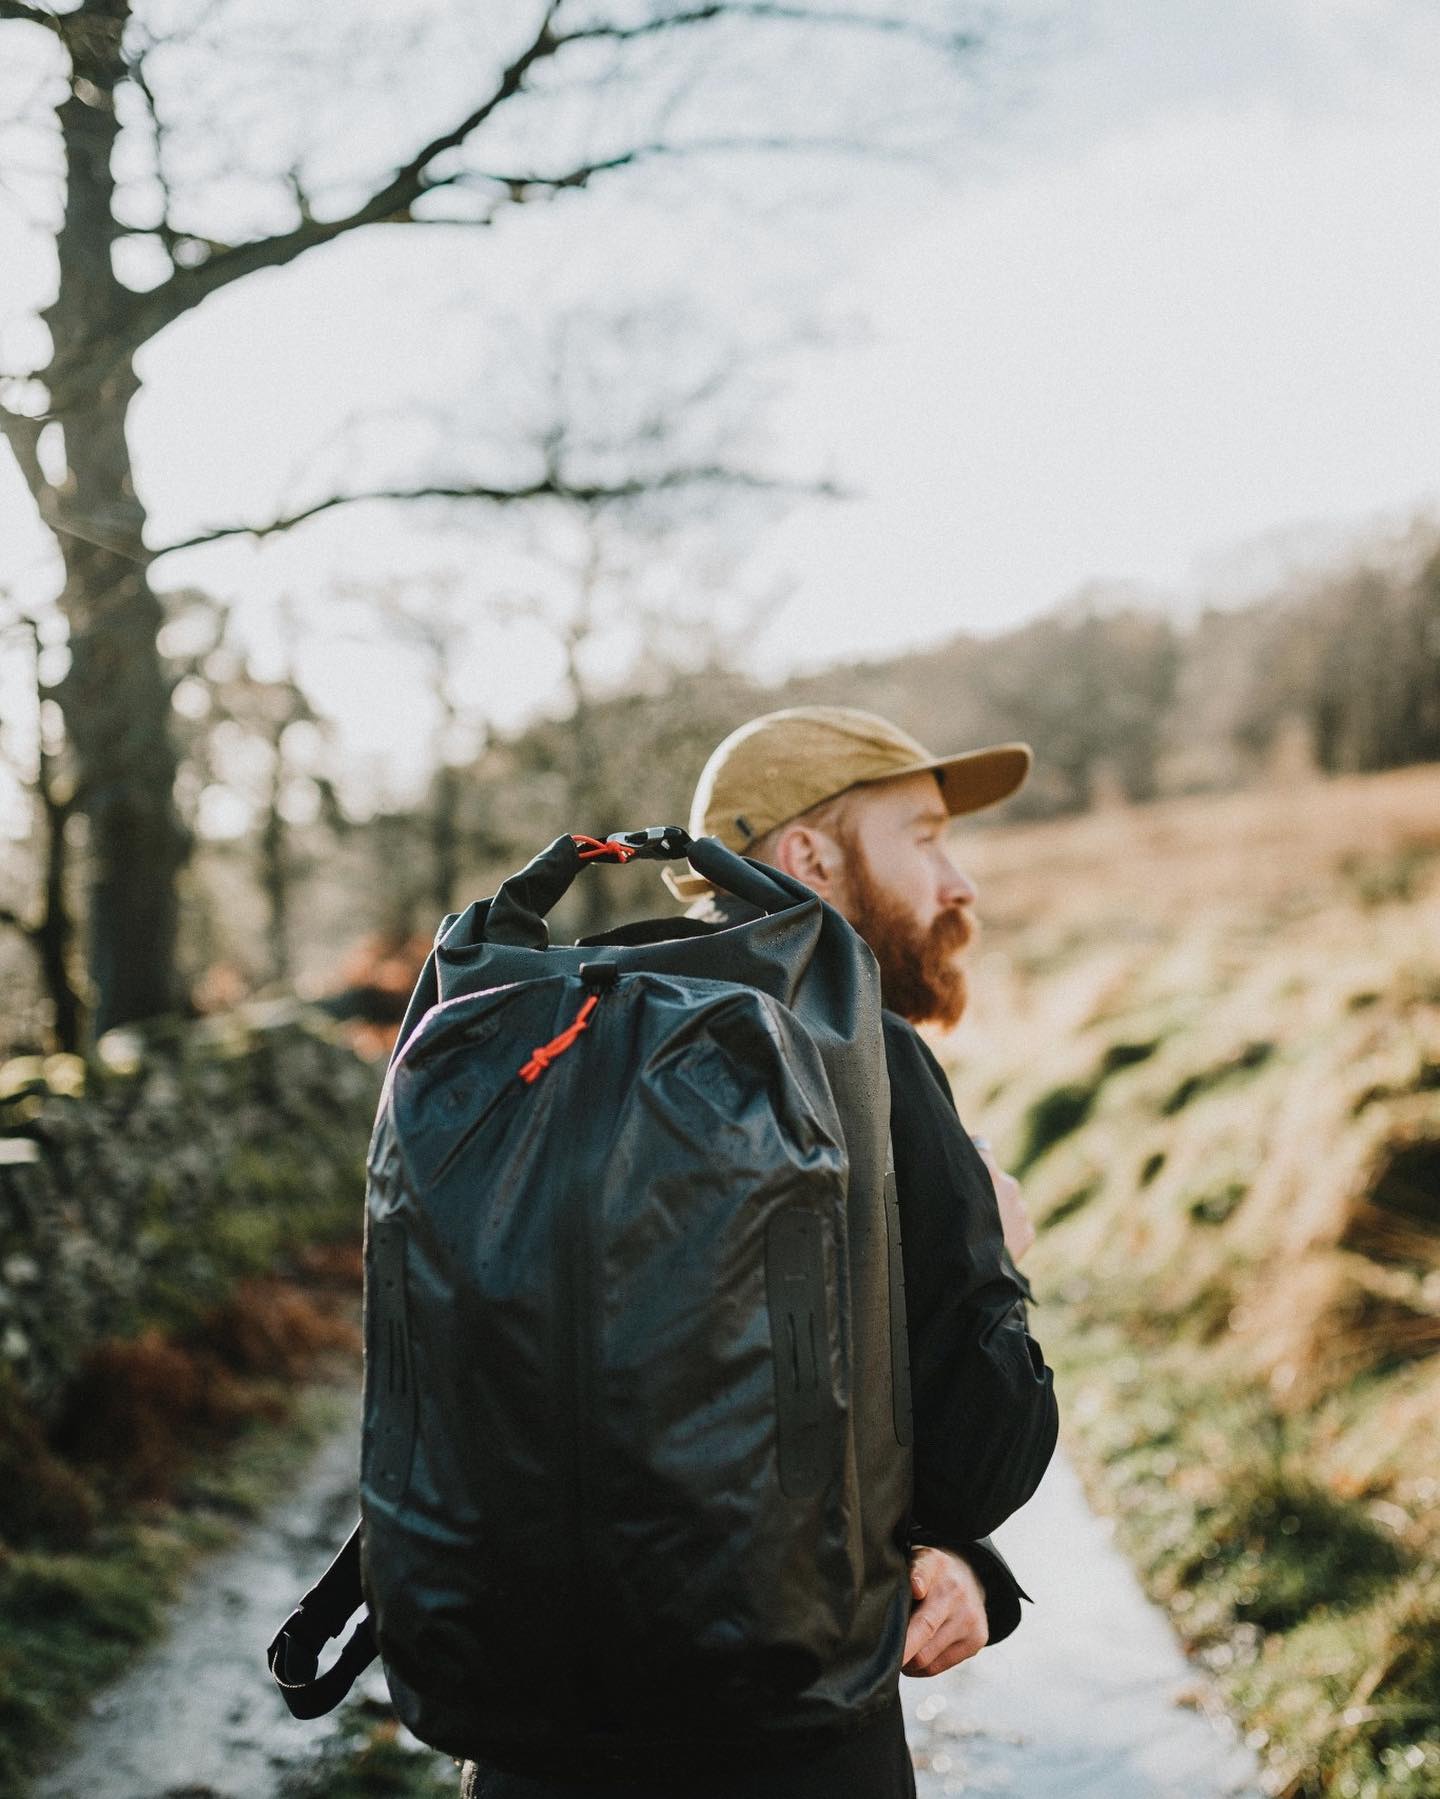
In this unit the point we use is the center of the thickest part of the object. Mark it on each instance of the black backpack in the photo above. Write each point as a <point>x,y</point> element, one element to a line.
<point>635,1471</point>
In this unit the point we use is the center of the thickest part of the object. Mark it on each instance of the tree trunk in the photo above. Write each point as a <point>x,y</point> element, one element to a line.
<point>275,869</point>
<point>116,696</point>
<point>54,936</point>
<point>52,941</point>
<point>445,838</point>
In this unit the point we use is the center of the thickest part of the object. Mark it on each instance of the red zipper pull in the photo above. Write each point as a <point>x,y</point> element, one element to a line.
<point>541,1058</point>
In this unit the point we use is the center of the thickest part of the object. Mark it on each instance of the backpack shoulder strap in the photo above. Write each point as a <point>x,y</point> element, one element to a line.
<point>294,1654</point>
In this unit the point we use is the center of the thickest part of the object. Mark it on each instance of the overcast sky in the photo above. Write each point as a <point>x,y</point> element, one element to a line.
<point>1177,295</point>
<point>1189,300</point>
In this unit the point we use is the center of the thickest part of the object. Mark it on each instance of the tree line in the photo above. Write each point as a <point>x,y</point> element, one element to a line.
<point>1121,703</point>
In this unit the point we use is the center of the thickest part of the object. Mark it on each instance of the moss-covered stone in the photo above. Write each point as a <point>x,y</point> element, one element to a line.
<point>165,1170</point>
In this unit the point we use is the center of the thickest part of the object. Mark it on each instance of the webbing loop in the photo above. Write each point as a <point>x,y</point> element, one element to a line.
<point>600,847</point>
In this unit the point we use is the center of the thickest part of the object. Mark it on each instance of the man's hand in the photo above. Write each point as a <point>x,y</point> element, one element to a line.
<point>1014,1214</point>
<point>948,1624</point>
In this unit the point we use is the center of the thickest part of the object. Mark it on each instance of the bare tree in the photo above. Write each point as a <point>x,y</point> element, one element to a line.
<point>1355,655</point>
<point>121,76</point>
<point>242,732</point>
<point>438,617</point>
<point>50,930</point>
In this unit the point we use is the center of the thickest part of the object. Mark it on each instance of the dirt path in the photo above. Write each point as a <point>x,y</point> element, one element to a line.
<point>1079,1704</point>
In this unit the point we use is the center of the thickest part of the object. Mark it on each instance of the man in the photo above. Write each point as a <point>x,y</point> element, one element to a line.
<point>851,806</point>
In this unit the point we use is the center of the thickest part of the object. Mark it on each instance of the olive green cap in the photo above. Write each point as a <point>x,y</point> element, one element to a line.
<point>784,763</point>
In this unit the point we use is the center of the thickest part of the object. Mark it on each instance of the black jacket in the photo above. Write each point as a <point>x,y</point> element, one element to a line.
<point>985,1414</point>
<point>984,1401</point>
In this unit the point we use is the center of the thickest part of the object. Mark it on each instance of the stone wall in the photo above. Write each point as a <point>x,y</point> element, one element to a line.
<point>137,1188</point>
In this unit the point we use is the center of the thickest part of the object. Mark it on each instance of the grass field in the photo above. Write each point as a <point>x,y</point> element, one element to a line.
<point>1207,1033</point>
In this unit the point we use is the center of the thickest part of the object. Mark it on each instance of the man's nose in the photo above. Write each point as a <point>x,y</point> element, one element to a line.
<point>958,889</point>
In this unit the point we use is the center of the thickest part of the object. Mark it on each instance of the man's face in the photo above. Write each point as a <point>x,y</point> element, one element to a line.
<point>906,898</point>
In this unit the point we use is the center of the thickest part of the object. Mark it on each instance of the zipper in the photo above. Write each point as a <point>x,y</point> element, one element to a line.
<point>576,1291</point>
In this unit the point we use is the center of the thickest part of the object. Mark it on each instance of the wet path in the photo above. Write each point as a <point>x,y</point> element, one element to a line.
<point>1079,1704</point>
<point>198,1717</point>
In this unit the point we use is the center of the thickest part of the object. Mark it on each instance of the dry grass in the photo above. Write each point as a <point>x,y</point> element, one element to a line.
<point>1210,1031</point>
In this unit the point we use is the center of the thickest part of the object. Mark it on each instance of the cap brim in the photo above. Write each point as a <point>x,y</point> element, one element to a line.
<point>981,778</point>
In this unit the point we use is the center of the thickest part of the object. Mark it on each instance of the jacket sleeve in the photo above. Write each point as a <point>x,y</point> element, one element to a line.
<point>985,1414</point>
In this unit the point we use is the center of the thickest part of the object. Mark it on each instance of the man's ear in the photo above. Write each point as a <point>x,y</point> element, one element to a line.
<point>811,856</point>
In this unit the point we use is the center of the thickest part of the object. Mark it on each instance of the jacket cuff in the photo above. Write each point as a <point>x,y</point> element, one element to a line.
<point>1003,1592</point>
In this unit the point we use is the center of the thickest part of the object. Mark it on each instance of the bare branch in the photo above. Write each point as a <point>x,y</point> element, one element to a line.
<point>896,24</point>
<point>187,287</point>
<point>299,195</point>
<point>23,436</point>
<point>394,202</point>
<point>710,146</point>
<point>551,487</point>
<point>165,231</point>
<point>518,189</point>
<point>454,222</point>
<point>33,15</point>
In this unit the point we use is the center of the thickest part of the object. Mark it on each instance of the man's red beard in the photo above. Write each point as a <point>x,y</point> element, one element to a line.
<point>920,973</point>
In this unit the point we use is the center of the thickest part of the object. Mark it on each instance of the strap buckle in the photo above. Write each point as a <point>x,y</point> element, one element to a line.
<point>654,843</point>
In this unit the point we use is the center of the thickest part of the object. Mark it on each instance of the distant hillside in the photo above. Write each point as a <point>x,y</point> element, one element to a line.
<point>1207,1033</point>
